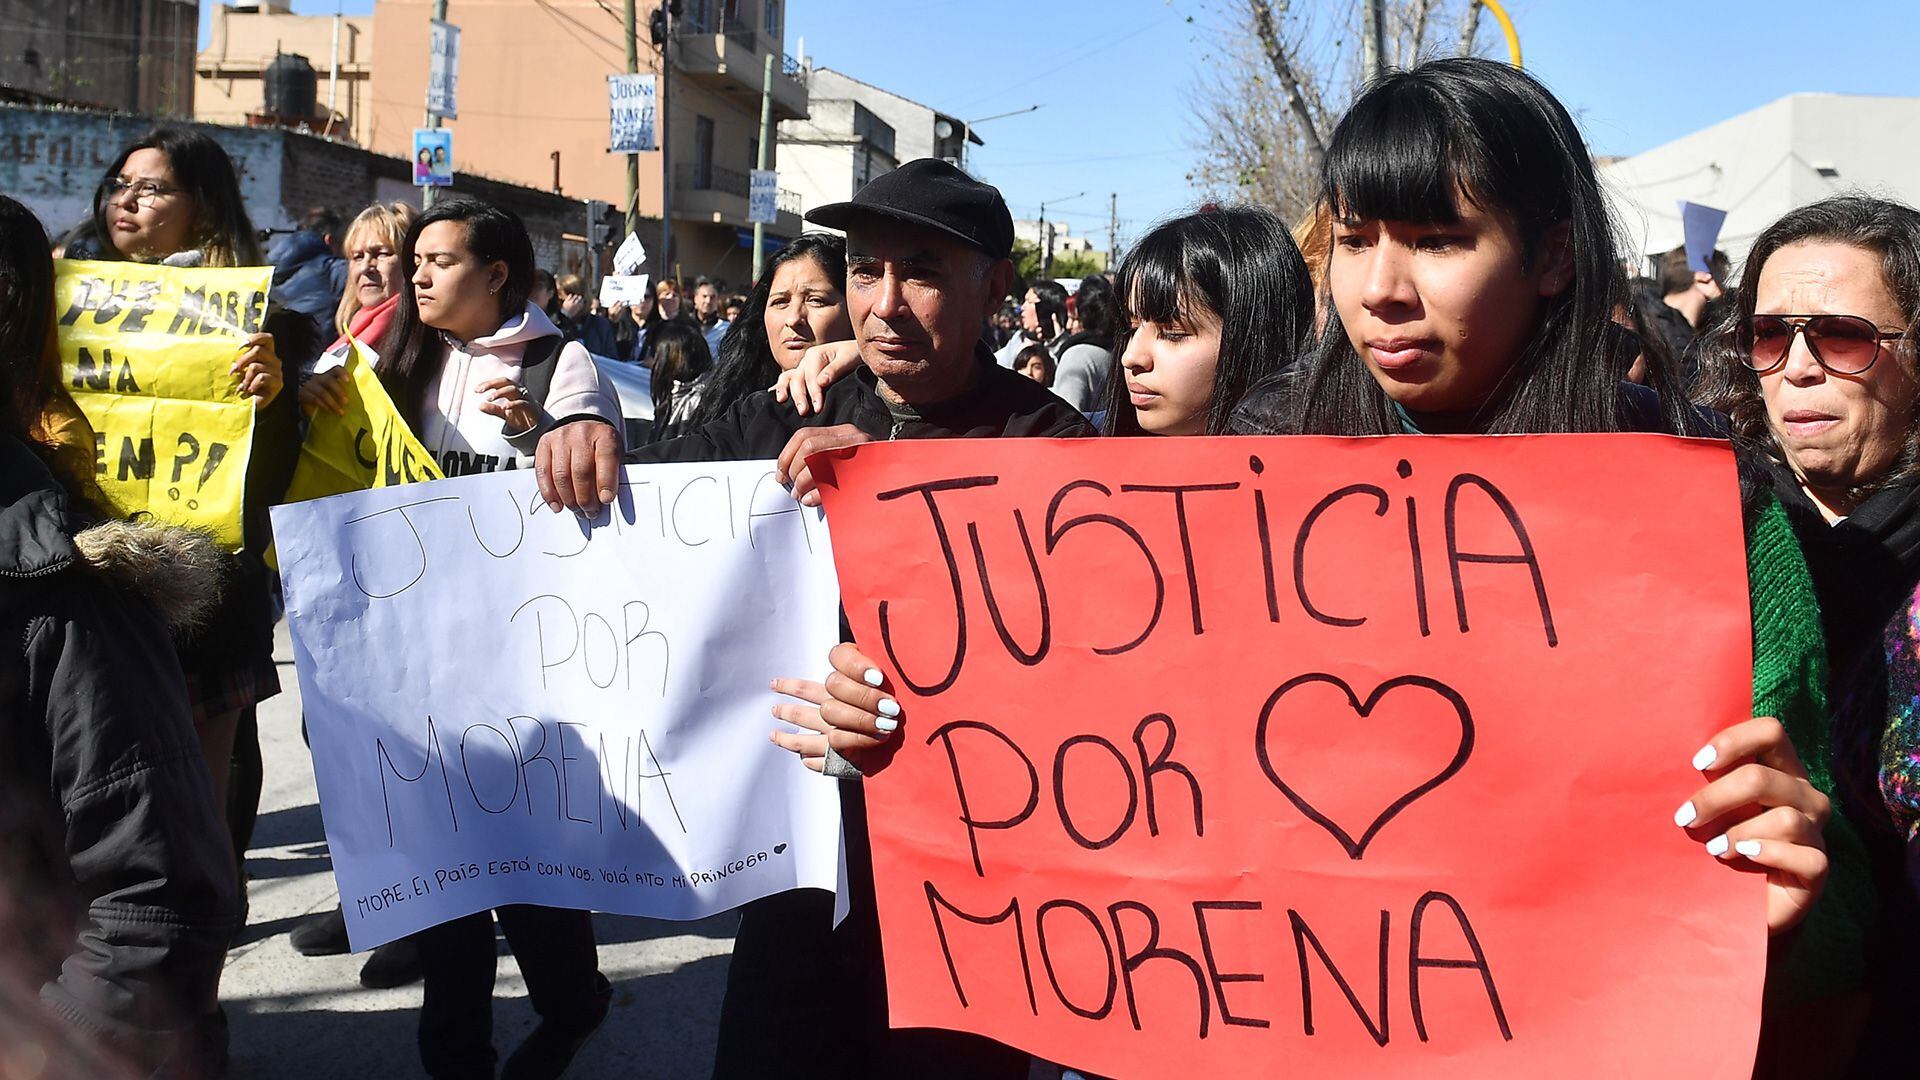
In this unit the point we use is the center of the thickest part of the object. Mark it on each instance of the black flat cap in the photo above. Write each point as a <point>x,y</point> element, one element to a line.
<point>930,192</point>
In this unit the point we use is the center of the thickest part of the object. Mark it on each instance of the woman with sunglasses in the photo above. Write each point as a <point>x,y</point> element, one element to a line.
<point>1816,373</point>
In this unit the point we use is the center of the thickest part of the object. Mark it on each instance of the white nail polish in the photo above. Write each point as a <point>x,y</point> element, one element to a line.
<point>1717,846</point>
<point>1749,848</point>
<point>1704,759</point>
<point>872,676</point>
<point>1684,816</point>
<point>889,707</point>
<point>886,723</point>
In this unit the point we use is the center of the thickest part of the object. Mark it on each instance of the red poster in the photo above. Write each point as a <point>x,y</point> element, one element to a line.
<point>1331,757</point>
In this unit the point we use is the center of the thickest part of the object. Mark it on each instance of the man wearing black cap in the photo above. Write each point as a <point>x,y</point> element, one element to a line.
<point>927,250</point>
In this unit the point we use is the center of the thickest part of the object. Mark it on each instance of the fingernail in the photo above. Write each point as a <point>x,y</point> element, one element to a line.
<point>1705,758</point>
<point>886,723</point>
<point>872,676</point>
<point>1749,848</point>
<point>1717,846</point>
<point>554,506</point>
<point>889,707</point>
<point>606,497</point>
<point>1684,816</point>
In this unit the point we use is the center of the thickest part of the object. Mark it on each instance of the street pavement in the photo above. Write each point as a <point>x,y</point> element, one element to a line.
<point>308,1018</point>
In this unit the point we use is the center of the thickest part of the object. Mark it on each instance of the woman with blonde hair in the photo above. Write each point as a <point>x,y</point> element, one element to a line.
<point>375,277</point>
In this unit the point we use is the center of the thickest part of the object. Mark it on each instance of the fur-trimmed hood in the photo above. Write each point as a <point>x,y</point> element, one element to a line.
<point>180,571</point>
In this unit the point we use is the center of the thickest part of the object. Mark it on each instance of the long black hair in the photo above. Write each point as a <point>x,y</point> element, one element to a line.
<point>1890,231</point>
<point>746,364</point>
<point>222,231</point>
<point>412,352</point>
<point>1414,144</point>
<point>1239,263</point>
<point>32,392</point>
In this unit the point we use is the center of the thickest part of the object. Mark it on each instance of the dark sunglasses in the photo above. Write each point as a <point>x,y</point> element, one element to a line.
<point>1843,344</point>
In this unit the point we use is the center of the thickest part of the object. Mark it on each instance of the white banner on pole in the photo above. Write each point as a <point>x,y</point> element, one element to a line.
<point>763,200</point>
<point>630,111</point>
<point>509,705</point>
<point>443,71</point>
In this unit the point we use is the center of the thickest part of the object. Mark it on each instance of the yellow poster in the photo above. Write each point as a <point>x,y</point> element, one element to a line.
<point>369,446</point>
<point>148,352</point>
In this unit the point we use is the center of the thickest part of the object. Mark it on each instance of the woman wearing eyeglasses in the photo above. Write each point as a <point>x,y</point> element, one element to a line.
<point>1816,372</point>
<point>173,197</point>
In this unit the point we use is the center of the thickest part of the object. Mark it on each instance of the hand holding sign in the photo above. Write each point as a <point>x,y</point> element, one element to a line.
<point>259,370</point>
<point>501,397</point>
<point>326,390</point>
<point>1761,808</point>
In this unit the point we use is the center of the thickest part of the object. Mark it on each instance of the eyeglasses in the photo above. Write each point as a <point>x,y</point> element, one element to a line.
<point>144,191</point>
<point>1842,344</point>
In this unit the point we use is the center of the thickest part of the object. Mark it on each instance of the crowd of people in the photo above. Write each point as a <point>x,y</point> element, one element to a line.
<point>1461,275</point>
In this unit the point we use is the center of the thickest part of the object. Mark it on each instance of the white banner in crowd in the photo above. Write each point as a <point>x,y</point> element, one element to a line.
<point>443,72</point>
<point>509,705</point>
<point>626,289</point>
<point>630,108</point>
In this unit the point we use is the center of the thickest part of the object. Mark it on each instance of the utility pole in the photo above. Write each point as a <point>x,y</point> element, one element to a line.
<point>663,131</point>
<point>633,160</point>
<point>428,193</point>
<point>1113,229</point>
<point>766,144</point>
<point>1046,233</point>
<point>1372,40</point>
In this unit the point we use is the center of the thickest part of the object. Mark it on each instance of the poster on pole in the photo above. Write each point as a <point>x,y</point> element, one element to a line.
<point>763,199</point>
<point>630,256</point>
<point>147,353</point>
<point>512,705</point>
<point>1359,755</point>
<point>630,112</point>
<point>432,157</point>
<point>443,71</point>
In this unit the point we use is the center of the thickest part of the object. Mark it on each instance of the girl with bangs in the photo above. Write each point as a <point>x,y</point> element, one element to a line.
<point>1210,304</point>
<point>1471,284</point>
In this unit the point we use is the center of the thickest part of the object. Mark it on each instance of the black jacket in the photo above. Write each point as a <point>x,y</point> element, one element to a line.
<point>999,404</point>
<point>117,891</point>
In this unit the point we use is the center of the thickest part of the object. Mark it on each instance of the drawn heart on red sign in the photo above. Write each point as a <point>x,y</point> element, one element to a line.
<point>1455,711</point>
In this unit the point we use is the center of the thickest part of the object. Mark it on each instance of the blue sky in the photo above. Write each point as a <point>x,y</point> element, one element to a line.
<point>1112,77</point>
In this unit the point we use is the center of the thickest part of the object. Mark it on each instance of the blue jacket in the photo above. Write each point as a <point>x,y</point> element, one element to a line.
<point>308,279</point>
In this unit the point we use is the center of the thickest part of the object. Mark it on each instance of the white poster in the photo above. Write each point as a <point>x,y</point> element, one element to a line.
<point>763,201</point>
<point>626,289</point>
<point>630,255</point>
<point>509,705</point>
<point>630,113</point>
<point>443,71</point>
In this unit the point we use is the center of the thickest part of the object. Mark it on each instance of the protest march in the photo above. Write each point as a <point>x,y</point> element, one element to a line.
<point>1389,622</point>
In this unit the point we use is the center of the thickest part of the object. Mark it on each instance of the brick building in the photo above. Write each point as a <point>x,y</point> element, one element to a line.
<point>133,55</point>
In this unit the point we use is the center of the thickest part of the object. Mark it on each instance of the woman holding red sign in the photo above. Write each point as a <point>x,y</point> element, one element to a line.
<point>1471,282</point>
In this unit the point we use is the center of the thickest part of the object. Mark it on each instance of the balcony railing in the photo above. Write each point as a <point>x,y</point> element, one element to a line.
<point>691,176</point>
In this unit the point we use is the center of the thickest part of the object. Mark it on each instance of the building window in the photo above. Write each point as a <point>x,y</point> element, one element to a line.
<point>699,16</point>
<point>770,22</point>
<point>753,153</point>
<point>702,153</point>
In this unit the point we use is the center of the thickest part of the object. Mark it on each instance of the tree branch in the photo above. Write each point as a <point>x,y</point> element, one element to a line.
<point>1282,64</point>
<point>1469,27</point>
